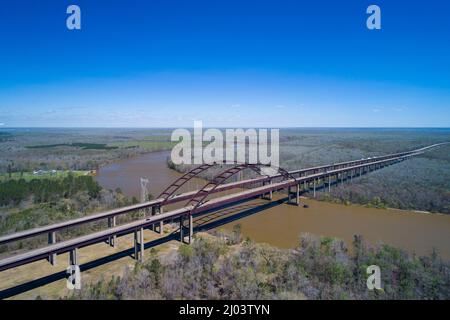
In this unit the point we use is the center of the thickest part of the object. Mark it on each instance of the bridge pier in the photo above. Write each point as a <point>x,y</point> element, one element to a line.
<point>111,224</point>
<point>181,229</point>
<point>190,234</point>
<point>191,227</point>
<point>329,183</point>
<point>155,211</point>
<point>73,257</point>
<point>270,194</point>
<point>139,244</point>
<point>52,240</point>
<point>297,195</point>
<point>314,188</point>
<point>73,275</point>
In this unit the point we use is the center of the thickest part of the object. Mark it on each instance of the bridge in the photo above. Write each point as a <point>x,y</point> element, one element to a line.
<point>198,202</point>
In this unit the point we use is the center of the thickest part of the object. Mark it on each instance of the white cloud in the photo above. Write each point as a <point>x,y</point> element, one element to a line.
<point>280,106</point>
<point>376,110</point>
<point>1,124</point>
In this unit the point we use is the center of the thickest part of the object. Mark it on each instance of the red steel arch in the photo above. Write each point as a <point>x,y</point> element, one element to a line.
<point>181,181</point>
<point>219,179</point>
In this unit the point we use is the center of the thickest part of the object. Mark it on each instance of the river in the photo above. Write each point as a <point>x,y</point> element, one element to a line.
<point>281,225</point>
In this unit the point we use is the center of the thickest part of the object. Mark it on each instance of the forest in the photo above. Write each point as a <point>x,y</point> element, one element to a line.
<point>13,191</point>
<point>225,266</point>
<point>26,204</point>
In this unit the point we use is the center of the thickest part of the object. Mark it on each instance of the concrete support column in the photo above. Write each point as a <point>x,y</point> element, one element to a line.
<point>329,184</point>
<point>161,223</point>
<point>73,257</point>
<point>263,196</point>
<point>297,195</point>
<point>181,229</point>
<point>112,224</point>
<point>269,195</point>
<point>314,187</point>
<point>155,211</point>
<point>152,227</point>
<point>139,244</point>
<point>52,240</point>
<point>191,227</point>
<point>136,245</point>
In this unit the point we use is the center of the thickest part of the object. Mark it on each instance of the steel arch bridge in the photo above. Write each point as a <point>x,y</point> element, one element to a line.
<point>168,193</point>
<point>210,187</point>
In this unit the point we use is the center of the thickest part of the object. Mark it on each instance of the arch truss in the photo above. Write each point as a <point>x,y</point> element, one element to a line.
<point>200,197</point>
<point>170,191</point>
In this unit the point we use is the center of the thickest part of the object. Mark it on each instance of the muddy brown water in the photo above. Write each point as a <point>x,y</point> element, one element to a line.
<point>282,224</point>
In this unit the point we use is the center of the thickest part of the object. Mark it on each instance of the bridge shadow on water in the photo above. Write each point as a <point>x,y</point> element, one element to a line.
<point>209,220</point>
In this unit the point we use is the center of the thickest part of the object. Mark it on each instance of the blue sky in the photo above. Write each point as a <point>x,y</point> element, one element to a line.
<point>165,63</point>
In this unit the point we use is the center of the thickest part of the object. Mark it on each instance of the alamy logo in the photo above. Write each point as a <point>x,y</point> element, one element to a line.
<point>73,277</point>
<point>73,21</point>
<point>374,280</point>
<point>374,20</point>
<point>239,146</point>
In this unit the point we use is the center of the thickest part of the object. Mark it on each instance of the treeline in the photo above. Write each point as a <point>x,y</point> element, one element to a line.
<point>319,268</point>
<point>47,201</point>
<point>12,192</point>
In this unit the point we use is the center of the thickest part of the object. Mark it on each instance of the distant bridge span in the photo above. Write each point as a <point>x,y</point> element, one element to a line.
<point>197,203</point>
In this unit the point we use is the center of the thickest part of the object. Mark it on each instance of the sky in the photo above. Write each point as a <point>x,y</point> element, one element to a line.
<point>166,63</point>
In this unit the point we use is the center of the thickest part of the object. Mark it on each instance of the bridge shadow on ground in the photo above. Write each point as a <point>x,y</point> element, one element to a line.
<point>209,220</point>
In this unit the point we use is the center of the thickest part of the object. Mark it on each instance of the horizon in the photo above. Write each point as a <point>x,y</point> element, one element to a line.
<point>207,127</point>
